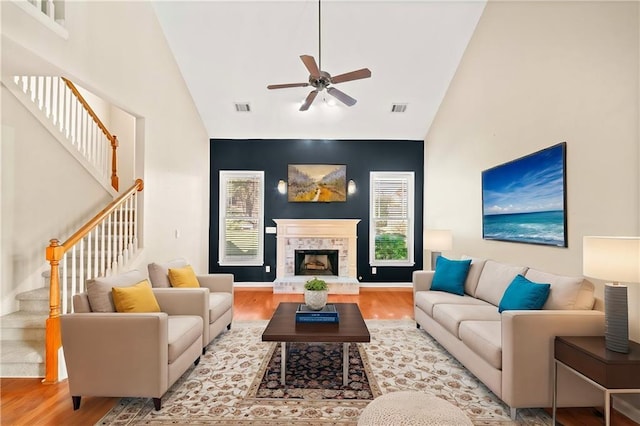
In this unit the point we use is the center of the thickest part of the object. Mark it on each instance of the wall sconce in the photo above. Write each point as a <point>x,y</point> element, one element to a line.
<point>351,187</point>
<point>282,186</point>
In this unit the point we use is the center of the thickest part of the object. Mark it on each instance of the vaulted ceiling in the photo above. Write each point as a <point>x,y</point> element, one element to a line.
<point>229,51</point>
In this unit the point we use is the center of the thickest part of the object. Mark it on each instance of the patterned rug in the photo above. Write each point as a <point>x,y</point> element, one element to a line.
<point>314,371</point>
<point>219,390</point>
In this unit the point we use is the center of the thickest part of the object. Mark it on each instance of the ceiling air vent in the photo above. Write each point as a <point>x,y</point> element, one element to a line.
<point>243,107</point>
<point>398,107</point>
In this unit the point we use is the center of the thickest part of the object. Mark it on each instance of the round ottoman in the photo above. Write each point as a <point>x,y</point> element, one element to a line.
<point>411,408</point>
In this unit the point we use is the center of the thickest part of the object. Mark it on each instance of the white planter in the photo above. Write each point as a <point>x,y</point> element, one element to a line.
<point>315,300</point>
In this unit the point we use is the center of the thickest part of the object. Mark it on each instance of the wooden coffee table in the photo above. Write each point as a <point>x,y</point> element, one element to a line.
<point>283,328</point>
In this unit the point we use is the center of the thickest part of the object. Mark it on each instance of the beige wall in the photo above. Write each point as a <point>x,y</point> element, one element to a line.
<point>45,194</point>
<point>533,75</point>
<point>117,51</point>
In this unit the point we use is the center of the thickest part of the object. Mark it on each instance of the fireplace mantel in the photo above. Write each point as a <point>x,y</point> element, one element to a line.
<point>292,234</point>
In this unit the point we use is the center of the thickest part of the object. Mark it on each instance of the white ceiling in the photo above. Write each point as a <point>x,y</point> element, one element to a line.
<point>229,51</point>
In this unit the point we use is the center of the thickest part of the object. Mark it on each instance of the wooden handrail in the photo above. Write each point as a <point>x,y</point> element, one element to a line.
<point>112,138</point>
<point>84,103</point>
<point>82,232</point>
<point>54,254</point>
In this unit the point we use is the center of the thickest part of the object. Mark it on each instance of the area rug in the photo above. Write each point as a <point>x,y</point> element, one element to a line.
<point>314,371</point>
<point>219,391</point>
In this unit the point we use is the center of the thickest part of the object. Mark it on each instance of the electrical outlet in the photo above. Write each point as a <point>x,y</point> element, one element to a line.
<point>267,268</point>
<point>374,270</point>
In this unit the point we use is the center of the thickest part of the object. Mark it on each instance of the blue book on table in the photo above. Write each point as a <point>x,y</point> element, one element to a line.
<point>326,314</point>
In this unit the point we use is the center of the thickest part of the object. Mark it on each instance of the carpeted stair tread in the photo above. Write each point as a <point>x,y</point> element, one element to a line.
<point>22,351</point>
<point>24,319</point>
<point>37,294</point>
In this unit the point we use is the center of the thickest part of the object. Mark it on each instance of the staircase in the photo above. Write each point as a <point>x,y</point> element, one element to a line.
<point>30,337</point>
<point>22,336</point>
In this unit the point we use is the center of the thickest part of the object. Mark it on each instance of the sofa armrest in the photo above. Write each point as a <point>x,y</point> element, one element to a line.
<point>184,301</point>
<point>528,350</point>
<point>116,354</point>
<point>217,282</point>
<point>422,280</point>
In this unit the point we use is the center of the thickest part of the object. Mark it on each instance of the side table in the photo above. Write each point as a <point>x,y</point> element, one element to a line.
<point>587,357</point>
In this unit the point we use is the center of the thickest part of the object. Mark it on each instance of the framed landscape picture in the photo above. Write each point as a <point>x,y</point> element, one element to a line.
<point>317,183</point>
<point>525,200</point>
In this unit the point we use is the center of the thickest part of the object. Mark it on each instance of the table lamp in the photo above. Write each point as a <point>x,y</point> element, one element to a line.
<point>616,259</point>
<point>436,241</point>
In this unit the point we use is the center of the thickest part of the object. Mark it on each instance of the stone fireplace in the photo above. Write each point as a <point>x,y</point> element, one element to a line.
<point>332,241</point>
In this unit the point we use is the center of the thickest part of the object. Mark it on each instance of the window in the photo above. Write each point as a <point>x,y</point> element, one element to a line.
<point>241,218</point>
<point>391,219</point>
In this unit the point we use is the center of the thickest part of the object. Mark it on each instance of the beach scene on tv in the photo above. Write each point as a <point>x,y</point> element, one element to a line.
<point>524,200</point>
<point>317,183</point>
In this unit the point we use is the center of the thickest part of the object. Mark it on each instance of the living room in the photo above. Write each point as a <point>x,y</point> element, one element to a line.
<point>533,74</point>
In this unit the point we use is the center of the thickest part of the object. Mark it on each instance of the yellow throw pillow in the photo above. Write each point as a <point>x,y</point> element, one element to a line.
<point>137,298</point>
<point>183,277</point>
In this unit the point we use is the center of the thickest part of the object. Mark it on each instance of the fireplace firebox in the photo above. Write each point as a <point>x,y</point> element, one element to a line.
<point>316,262</point>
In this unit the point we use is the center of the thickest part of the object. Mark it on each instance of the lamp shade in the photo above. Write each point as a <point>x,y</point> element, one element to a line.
<point>438,239</point>
<point>612,258</point>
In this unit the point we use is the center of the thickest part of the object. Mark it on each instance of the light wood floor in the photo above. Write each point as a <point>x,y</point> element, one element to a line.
<point>28,402</point>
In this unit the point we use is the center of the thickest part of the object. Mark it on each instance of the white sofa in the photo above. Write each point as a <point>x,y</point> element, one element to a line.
<point>511,352</point>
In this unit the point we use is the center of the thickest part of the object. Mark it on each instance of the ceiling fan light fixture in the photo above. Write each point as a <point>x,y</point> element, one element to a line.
<point>330,101</point>
<point>320,79</point>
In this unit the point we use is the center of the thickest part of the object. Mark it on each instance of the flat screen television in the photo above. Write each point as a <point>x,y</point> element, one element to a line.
<point>525,200</point>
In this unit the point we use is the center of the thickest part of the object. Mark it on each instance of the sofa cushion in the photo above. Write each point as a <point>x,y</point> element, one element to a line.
<point>219,303</point>
<point>426,300</point>
<point>183,277</point>
<point>566,292</point>
<point>450,275</point>
<point>471,283</point>
<point>494,280</point>
<point>485,339</point>
<point>183,330</point>
<point>450,316</point>
<point>136,298</point>
<point>159,272</point>
<point>99,289</point>
<point>523,294</point>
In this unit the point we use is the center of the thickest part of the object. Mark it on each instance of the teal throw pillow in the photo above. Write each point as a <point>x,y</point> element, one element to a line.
<point>450,275</point>
<point>523,294</point>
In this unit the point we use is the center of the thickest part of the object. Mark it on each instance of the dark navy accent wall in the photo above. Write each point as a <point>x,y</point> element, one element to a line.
<point>273,157</point>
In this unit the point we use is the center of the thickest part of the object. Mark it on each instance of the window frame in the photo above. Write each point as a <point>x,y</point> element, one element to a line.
<point>409,176</point>
<point>223,259</point>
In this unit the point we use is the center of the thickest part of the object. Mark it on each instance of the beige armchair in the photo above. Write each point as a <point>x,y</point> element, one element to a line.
<point>128,354</point>
<point>218,312</point>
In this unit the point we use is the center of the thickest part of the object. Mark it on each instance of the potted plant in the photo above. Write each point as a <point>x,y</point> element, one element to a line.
<point>315,293</point>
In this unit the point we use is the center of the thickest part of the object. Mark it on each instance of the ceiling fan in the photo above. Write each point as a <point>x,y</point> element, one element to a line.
<point>320,80</point>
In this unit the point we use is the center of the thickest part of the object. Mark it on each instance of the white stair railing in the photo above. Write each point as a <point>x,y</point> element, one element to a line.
<point>68,111</point>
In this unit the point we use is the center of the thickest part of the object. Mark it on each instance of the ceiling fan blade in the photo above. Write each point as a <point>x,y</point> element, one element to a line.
<point>341,96</point>
<point>353,75</point>
<point>307,102</point>
<point>311,65</point>
<point>284,86</point>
